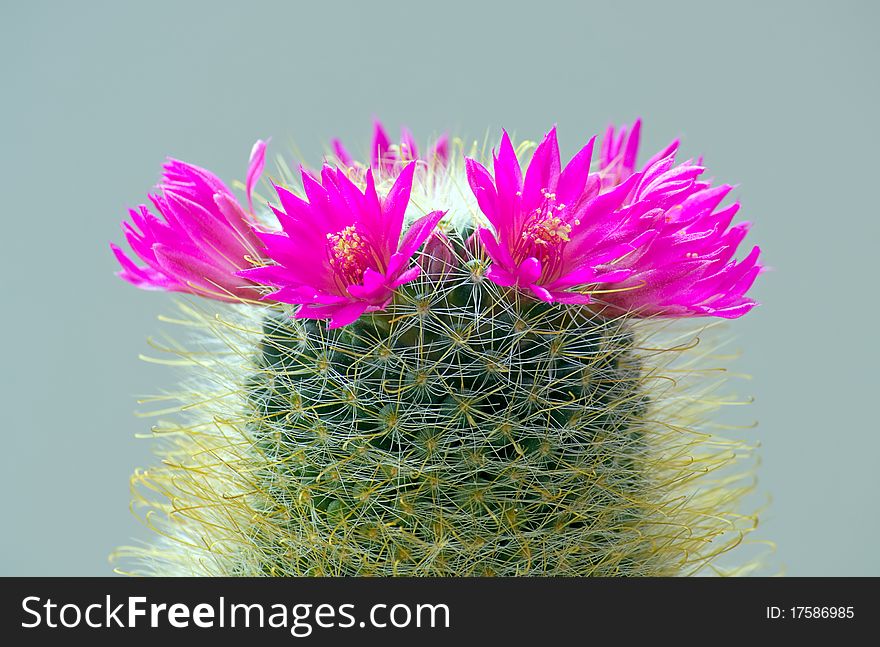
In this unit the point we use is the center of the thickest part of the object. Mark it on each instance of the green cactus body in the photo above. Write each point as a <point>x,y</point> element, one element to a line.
<point>465,430</point>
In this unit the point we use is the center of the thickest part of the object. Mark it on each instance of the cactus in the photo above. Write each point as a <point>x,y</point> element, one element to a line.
<point>464,428</point>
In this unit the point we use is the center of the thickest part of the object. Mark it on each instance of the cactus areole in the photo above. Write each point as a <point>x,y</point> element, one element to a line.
<point>421,366</point>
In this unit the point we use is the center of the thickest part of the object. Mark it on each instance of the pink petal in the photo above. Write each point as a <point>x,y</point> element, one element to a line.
<point>573,179</point>
<point>255,169</point>
<point>315,192</point>
<point>542,173</point>
<point>339,315</point>
<point>266,275</point>
<point>295,208</point>
<point>142,277</point>
<point>571,298</point>
<point>606,153</point>
<point>497,252</point>
<point>632,147</point>
<point>440,150</point>
<point>408,149</point>
<point>294,294</point>
<point>499,275</point>
<point>483,188</point>
<point>198,275</point>
<point>238,220</point>
<point>733,312</point>
<point>216,239</point>
<point>666,152</point>
<point>341,153</point>
<point>508,183</point>
<point>613,275</point>
<point>381,144</point>
<point>542,293</point>
<point>410,275</point>
<point>372,288</point>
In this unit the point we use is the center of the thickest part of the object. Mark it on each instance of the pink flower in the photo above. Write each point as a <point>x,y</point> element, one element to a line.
<point>650,242</point>
<point>203,238</point>
<point>340,253</point>
<point>439,257</point>
<point>684,263</point>
<point>387,158</point>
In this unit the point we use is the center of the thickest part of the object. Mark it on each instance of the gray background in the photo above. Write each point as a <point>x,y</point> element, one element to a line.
<point>780,97</point>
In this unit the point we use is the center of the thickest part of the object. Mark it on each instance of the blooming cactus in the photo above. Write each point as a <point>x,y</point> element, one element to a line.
<point>438,369</point>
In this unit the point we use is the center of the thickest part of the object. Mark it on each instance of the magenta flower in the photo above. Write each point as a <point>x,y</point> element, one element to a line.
<point>387,158</point>
<point>439,258</point>
<point>203,238</point>
<point>684,263</point>
<point>340,253</point>
<point>650,242</point>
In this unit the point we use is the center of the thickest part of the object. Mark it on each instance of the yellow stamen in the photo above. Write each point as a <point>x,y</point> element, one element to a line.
<point>547,230</point>
<point>348,251</point>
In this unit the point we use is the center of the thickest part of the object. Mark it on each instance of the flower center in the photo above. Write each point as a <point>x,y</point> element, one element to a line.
<point>349,253</point>
<point>547,229</point>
